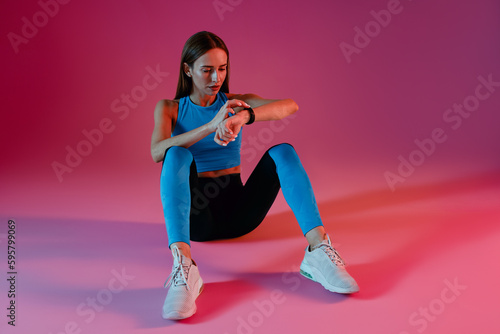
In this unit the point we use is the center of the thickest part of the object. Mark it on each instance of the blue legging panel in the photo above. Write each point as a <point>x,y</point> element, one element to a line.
<point>202,209</point>
<point>296,186</point>
<point>176,192</point>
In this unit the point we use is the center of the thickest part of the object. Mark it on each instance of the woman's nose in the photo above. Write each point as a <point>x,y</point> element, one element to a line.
<point>215,76</point>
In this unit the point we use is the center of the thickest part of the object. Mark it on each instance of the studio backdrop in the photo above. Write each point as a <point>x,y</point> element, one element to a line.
<point>392,94</point>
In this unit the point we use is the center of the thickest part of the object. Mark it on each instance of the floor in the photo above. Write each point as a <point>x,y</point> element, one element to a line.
<point>425,258</point>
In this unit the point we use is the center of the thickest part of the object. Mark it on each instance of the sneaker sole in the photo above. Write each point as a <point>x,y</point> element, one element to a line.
<point>317,277</point>
<point>180,316</point>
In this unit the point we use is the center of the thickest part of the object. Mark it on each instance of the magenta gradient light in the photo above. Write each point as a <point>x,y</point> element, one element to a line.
<point>398,106</point>
<point>369,78</point>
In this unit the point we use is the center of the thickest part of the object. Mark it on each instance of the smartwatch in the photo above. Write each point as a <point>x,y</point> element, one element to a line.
<point>252,115</point>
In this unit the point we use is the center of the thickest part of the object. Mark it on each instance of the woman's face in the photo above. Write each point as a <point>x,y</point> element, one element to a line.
<point>208,72</point>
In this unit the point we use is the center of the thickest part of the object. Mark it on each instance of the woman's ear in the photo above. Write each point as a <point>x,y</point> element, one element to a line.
<point>187,70</point>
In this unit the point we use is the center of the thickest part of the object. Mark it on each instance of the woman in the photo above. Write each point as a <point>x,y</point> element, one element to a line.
<point>202,193</point>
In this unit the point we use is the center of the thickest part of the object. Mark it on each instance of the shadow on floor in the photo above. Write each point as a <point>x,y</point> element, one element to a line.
<point>146,244</point>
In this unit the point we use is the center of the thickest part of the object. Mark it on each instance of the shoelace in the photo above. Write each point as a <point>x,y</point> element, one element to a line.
<point>179,273</point>
<point>333,255</point>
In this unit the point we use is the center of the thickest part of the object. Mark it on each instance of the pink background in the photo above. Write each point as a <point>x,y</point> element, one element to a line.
<point>355,119</point>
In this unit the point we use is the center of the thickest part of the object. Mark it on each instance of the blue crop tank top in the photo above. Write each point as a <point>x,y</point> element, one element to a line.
<point>208,155</point>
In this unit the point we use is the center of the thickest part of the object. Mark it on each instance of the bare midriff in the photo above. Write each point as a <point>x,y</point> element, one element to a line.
<point>221,172</point>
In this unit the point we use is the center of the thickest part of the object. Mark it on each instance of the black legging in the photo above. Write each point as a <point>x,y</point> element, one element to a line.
<point>224,208</point>
<point>202,209</point>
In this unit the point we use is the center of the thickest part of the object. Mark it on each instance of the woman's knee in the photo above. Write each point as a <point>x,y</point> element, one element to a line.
<point>283,153</point>
<point>178,154</point>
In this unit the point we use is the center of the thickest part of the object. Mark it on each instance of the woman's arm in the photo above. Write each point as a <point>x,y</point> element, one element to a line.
<point>164,115</point>
<point>267,110</point>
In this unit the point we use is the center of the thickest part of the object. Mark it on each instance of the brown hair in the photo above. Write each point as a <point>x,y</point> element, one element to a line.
<point>195,47</point>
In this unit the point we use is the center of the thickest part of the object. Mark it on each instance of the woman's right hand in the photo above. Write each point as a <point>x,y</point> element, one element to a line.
<point>223,134</point>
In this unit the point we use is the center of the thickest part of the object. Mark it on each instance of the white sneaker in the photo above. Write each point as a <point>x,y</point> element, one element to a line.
<point>185,286</point>
<point>325,266</point>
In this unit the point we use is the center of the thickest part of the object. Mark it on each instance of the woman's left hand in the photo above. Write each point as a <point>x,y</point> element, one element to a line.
<point>228,129</point>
